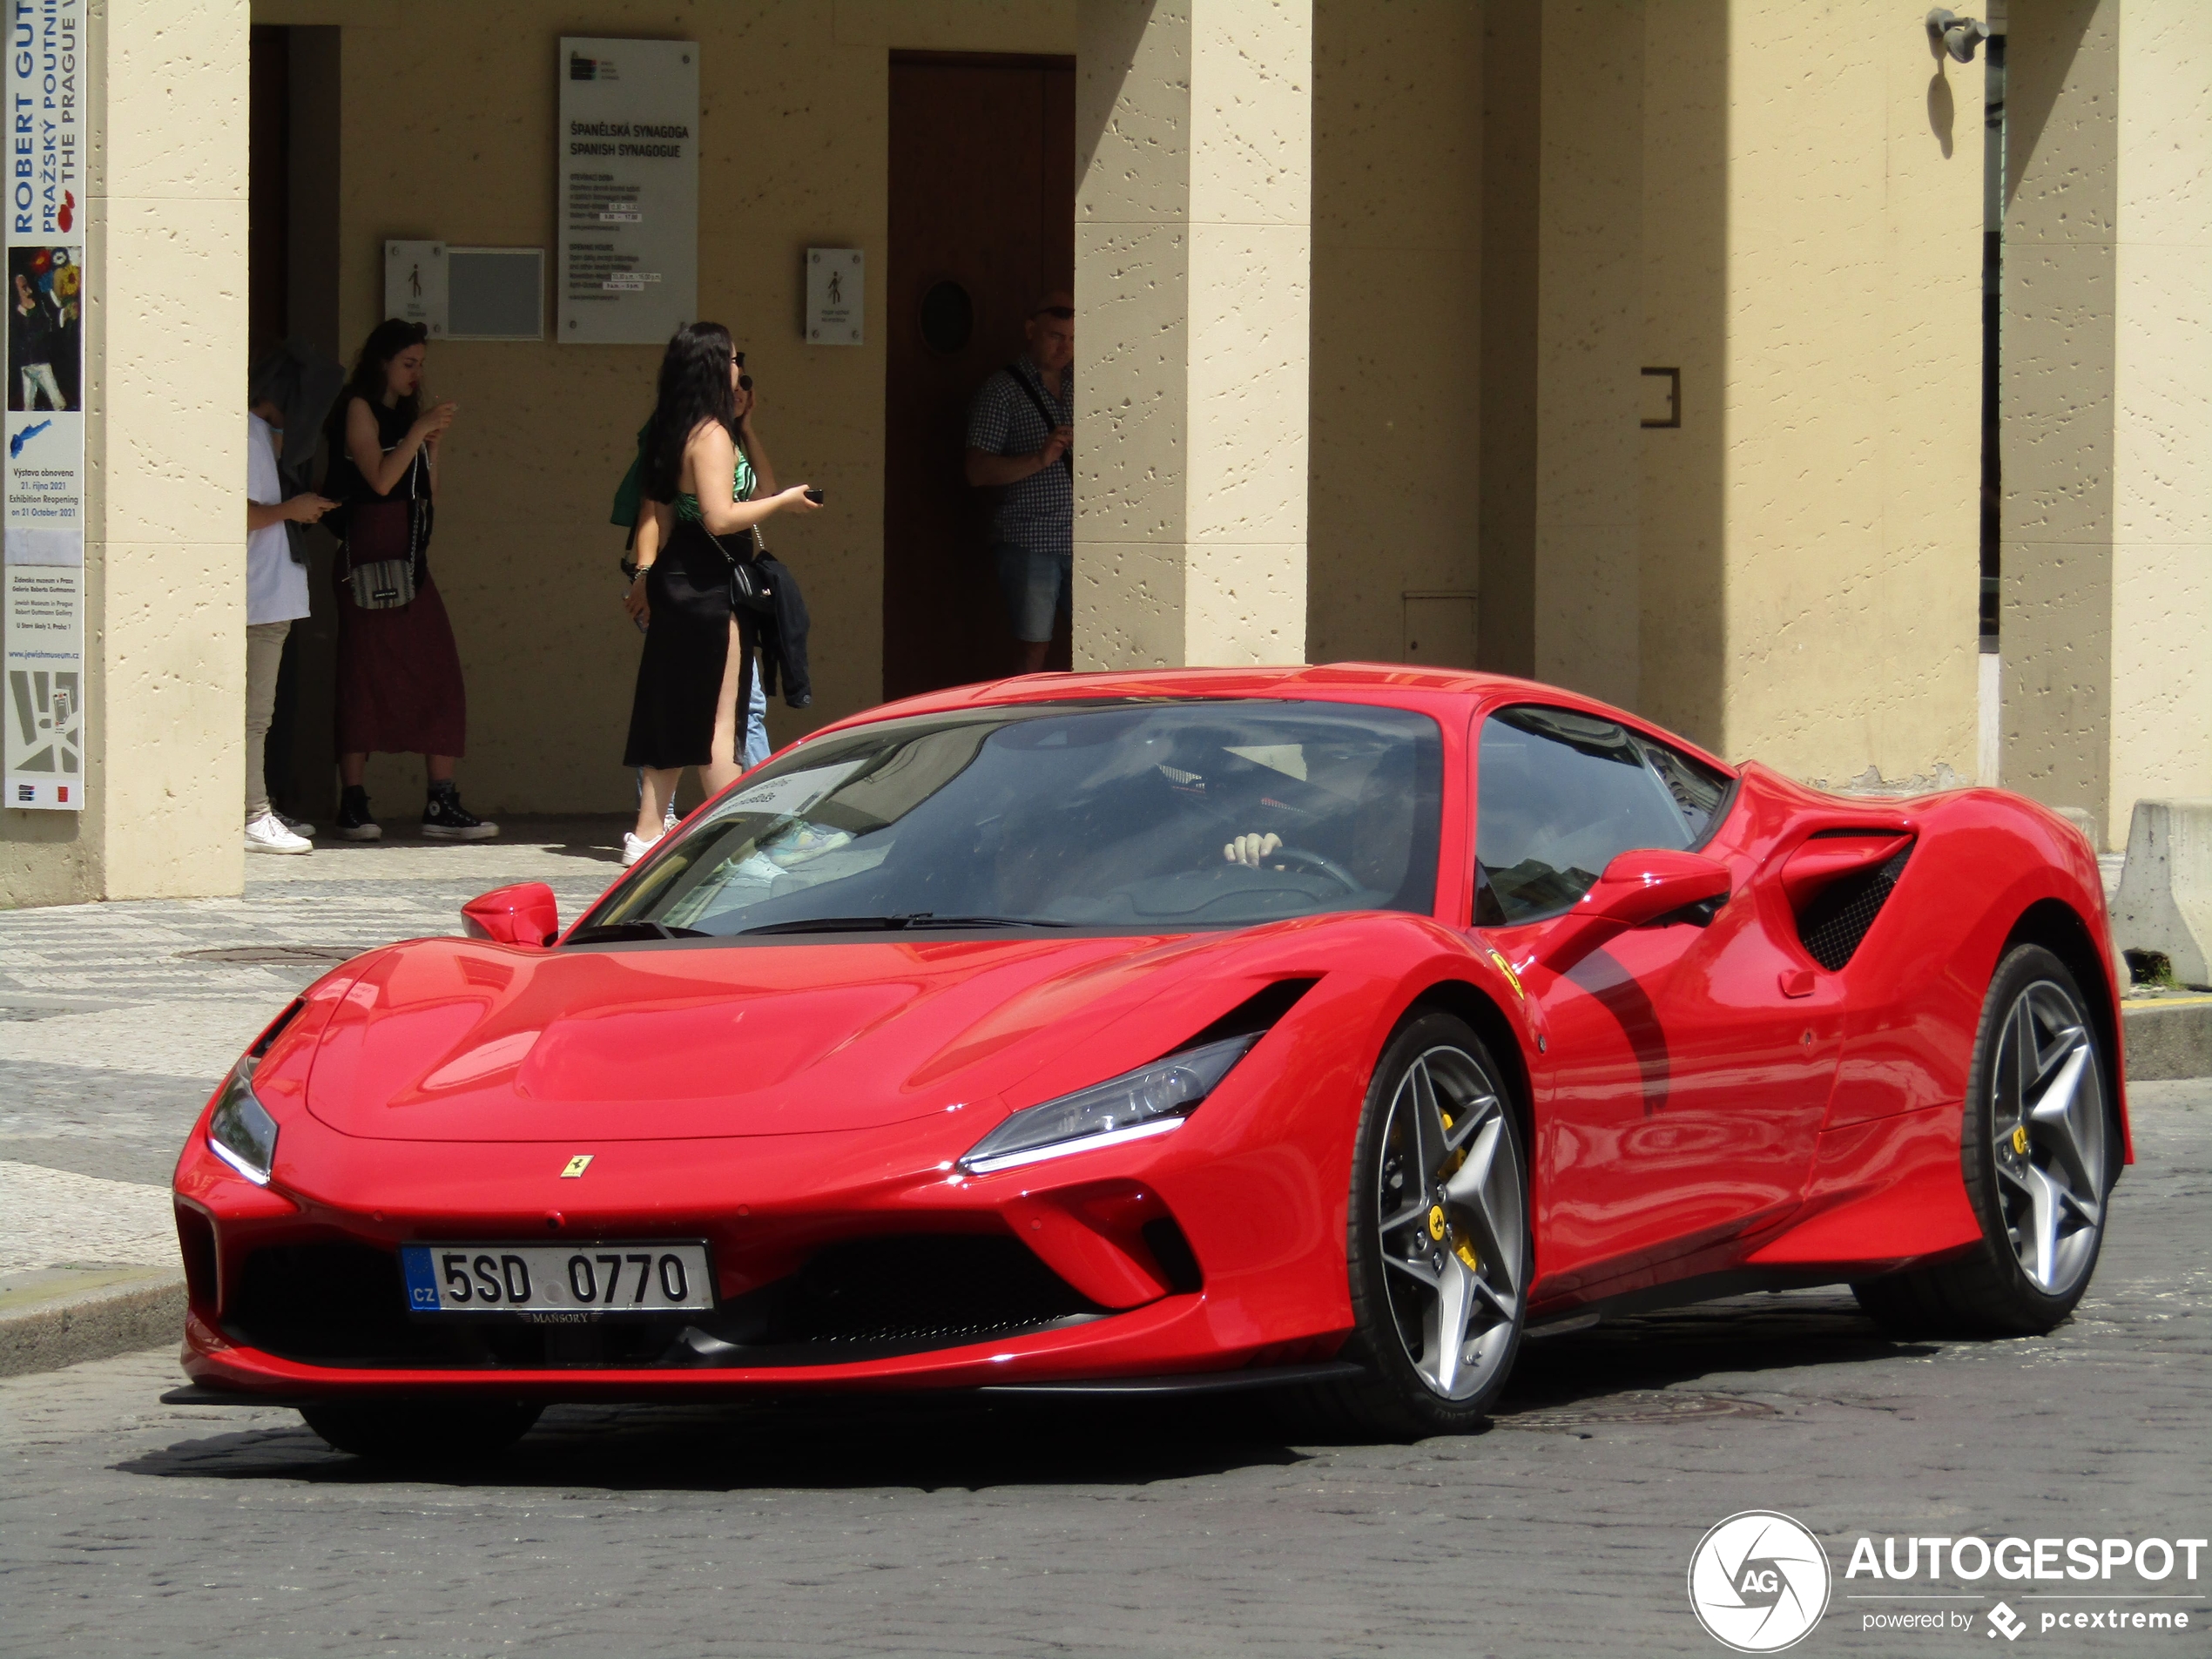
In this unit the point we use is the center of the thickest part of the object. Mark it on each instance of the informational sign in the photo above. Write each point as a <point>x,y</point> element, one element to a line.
<point>836,295</point>
<point>42,725</point>
<point>415,283</point>
<point>629,186</point>
<point>467,293</point>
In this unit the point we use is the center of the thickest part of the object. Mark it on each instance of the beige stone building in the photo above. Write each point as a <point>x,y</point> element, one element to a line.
<point>1658,348</point>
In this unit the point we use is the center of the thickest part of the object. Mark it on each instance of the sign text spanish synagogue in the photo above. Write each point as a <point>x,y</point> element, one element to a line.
<point>629,170</point>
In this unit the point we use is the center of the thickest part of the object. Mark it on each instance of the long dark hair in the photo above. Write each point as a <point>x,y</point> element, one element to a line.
<point>386,340</point>
<point>694,387</point>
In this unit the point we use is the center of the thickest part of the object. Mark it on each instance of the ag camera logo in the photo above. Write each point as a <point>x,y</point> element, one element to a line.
<point>1758,1582</point>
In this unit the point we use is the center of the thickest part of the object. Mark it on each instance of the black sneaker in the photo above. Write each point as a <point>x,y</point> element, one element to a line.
<point>446,819</point>
<point>353,822</point>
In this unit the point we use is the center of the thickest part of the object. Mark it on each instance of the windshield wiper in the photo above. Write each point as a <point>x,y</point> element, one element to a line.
<point>607,931</point>
<point>899,923</point>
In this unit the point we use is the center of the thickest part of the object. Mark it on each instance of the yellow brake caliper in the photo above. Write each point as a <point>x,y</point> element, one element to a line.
<point>1461,1246</point>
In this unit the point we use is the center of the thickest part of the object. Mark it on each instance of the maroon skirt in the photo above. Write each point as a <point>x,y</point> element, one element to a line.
<point>399,678</point>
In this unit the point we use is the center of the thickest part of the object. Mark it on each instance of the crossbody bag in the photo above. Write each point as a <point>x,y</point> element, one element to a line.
<point>383,543</point>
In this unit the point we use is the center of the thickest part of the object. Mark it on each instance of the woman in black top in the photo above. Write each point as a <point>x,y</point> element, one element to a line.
<point>400,689</point>
<point>695,670</point>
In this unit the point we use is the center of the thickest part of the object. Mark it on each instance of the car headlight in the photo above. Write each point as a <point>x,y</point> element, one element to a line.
<point>1148,1101</point>
<point>241,1130</point>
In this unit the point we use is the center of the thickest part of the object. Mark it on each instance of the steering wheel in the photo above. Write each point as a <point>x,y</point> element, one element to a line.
<point>1317,863</point>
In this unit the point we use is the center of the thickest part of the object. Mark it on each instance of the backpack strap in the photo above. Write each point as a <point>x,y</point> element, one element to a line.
<point>1036,397</point>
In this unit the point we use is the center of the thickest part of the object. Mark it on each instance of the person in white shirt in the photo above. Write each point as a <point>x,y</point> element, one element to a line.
<point>276,596</point>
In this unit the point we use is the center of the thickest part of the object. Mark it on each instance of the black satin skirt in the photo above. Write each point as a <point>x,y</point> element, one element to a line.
<point>687,648</point>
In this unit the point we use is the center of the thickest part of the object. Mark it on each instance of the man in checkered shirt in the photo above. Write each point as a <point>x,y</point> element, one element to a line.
<point>1015,448</point>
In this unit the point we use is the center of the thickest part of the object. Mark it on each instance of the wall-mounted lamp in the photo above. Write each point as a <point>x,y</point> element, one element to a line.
<point>1956,35</point>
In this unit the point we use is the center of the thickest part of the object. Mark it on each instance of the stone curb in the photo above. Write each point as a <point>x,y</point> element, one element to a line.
<point>2168,1038</point>
<point>92,1320</point>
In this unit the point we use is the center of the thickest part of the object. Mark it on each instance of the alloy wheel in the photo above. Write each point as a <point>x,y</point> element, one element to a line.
<point>2047,1123</point>
<point>1452,1222</point>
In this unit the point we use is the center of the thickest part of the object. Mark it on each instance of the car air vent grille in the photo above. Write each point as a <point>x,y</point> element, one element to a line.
<point>933,1289</point>
<point>1831,926</point>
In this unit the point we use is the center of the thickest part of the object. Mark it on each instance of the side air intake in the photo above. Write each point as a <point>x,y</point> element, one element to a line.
<point>1835,919</point>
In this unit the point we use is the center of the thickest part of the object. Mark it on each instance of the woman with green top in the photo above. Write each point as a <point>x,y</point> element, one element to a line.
<point>694,672</point>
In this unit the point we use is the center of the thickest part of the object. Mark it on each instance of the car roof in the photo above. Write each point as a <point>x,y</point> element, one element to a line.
<point>1404,684</point>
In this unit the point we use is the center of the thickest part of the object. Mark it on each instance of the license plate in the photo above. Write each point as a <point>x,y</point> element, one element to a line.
<point>569,1281</point>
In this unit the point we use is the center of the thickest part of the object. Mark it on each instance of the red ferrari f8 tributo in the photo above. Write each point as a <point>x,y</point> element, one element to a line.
<point>1338,1027</point>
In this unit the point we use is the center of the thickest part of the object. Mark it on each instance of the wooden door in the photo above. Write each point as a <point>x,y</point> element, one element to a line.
<point>982,221</point>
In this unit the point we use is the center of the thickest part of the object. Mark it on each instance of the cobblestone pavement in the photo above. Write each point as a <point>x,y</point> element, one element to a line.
<point>129,1527</point>
<point>116,1020</point>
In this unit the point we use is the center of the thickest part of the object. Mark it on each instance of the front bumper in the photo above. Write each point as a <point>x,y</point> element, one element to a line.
<point>1216,1249</point>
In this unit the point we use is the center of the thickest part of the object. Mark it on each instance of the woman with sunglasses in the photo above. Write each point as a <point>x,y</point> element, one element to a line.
<point>704,492</point>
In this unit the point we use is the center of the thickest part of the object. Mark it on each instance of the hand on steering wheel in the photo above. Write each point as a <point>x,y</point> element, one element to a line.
<point>1257,852</point>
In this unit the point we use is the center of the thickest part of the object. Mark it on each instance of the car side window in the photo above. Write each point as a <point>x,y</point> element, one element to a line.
<point>1562,795</point>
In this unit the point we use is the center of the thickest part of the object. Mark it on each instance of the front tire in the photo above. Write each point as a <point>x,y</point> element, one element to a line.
<point>423,1432</point>
<point>2039,1154</point>
<point>1438,1241</point>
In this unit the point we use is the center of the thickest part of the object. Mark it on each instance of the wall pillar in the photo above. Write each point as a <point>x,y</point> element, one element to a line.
<point>2108,406</point>
<point>1588,342</point>
<point>165,543</point>
<point>1842,432</point>
<point>1193,259</point>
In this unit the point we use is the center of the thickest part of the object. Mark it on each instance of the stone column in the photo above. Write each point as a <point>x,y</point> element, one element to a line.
<point>1193,253</point>
<point>1589,340</point>
<point>2107,405</point>
<point>165,393</point>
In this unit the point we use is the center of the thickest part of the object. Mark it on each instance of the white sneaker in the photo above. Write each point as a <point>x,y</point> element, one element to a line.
<point>268,835</point>
<point>633,849</point>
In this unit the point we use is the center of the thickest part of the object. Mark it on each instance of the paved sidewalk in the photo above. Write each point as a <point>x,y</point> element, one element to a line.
<point>117,1021</point>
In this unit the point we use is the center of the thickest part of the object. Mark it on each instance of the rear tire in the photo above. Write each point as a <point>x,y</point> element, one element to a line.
<point>2039,1151</point>
<point>424,1432</point>
<point>1438,1247</point>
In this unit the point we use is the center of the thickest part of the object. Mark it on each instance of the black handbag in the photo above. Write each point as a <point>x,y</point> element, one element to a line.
<point>747,592</point>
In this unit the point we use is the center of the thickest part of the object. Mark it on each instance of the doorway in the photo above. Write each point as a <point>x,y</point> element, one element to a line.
<point>982,182</point>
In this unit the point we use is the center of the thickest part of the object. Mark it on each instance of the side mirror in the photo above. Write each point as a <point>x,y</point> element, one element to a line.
<point>1639,886</point>
<point>525,914</point>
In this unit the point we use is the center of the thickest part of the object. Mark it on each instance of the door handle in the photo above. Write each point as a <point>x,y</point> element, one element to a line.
<point>1797,981</point>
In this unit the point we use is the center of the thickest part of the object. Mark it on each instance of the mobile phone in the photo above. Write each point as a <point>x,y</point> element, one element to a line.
<point>816,496</point>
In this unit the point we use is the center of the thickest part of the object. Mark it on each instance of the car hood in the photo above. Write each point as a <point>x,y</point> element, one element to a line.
<point>453,1040</point>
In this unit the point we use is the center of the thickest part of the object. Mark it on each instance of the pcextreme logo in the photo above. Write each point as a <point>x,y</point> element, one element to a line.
<point>1759,1582</point>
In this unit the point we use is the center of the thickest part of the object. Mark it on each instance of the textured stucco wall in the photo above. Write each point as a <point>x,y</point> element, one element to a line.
<point>2161,532</point>
<point>1193,256</point>
<point>1397,317</point>
<point>1850,393</point>
<point>448,115</point>
<point>2056,439</point>
<point>166,467</point>
<point>1589,338</point>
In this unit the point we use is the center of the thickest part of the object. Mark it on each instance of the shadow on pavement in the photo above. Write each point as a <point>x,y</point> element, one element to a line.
<point>969,1445</point>
<point>972,1445</point>
<point>1743,1335</point>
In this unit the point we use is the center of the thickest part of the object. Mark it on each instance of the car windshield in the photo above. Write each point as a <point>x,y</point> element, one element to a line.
<point>1154,814</point>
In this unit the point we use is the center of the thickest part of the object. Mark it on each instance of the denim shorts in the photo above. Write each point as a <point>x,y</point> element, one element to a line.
<point>1037,588</point>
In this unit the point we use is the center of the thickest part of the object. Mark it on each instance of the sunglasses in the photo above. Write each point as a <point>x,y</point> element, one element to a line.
<point>1066,314</point>
<point>737,359</point>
